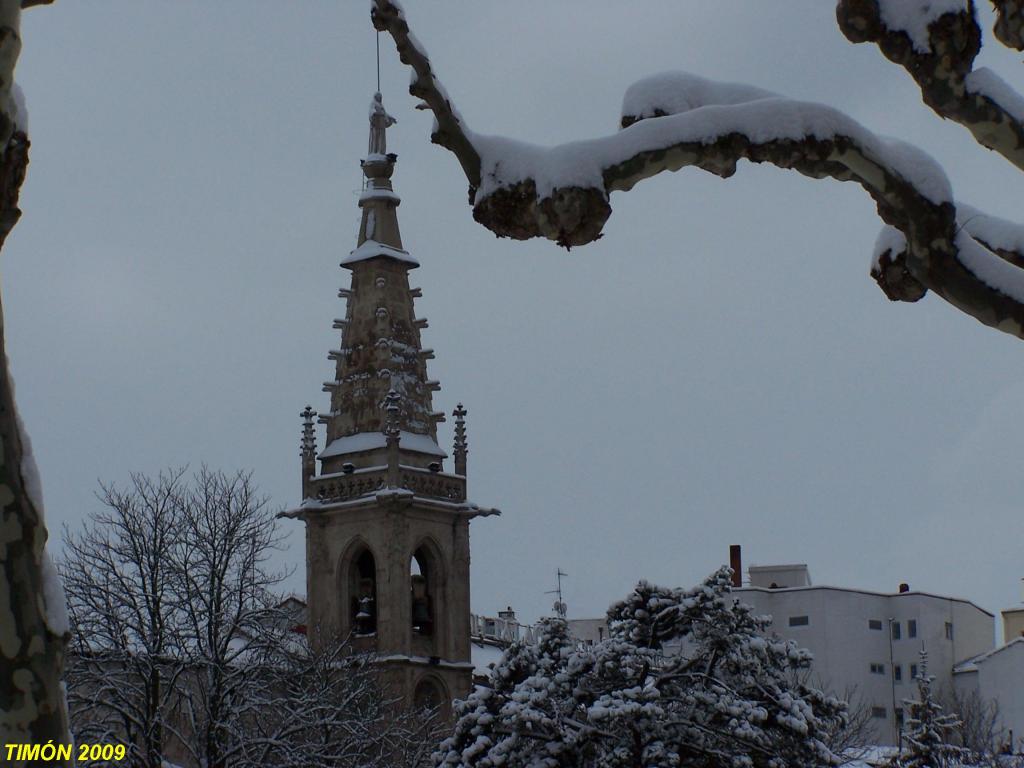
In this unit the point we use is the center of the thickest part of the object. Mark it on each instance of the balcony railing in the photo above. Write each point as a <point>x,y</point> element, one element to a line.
<point>342,486</point>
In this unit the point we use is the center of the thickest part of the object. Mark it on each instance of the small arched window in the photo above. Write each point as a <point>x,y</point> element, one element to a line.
<point>363,590</point>
<point>428,695</point>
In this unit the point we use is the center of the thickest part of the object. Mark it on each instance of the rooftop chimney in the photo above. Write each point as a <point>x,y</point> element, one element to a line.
<point>736,563</point>
<point>904,587</point>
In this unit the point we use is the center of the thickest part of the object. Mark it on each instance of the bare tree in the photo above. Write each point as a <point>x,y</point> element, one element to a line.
<point>980,731</point>
<point>328,707</point>
<point>122,585</point>
<point>182,650</point>
<point>227,535</point>
<point>931,242</point>
<point>851,737</point>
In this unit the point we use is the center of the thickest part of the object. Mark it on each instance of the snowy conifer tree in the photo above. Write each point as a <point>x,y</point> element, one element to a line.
<point>929,729</point>
<point>728,697</point>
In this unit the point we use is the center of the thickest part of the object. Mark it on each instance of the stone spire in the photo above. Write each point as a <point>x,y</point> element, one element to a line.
<point>308,448</point>
<point>461,449</point>
<point>380,347</point>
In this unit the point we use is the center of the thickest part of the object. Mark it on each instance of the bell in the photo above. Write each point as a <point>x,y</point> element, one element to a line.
<point>420,612</point>
<point>365,623</point>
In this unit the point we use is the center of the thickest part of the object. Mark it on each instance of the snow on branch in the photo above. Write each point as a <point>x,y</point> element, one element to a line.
<point>675,120</point>
<point>936,43</point>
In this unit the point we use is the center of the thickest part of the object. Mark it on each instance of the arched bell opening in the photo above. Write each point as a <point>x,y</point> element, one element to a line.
<point>362,591</point>
<point>428,600</point>
<point>422,612</point>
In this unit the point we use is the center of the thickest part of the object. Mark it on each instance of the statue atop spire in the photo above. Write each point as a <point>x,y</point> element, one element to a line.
<point>379,122</point>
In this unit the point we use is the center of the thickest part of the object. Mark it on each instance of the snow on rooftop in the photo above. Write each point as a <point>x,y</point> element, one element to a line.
<point>371,441</point>
<point>371,249</point>
<point>484,656</point>
<point>971,664</point>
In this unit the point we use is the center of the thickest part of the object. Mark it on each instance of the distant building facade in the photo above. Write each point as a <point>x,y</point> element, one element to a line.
<point>867,644</point>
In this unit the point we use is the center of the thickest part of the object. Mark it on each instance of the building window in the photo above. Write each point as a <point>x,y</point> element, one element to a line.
<point>899,718</point>
<point>879,712</point>
<point>799,621</point>
<point>896,630</point>
<point>949,630</point>
<point>875,624</point>
<point>913,671</point>
<point>897,673</point>
<point>911,627</point>
<point>878,669</point>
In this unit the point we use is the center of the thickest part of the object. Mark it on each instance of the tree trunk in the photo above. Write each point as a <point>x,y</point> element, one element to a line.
<point>32,706</point>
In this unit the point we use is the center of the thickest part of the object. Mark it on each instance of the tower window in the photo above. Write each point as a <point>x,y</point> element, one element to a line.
<point>911,627</point>
<point>422,600</point>
<point>896,631</point>
<point>875,624</point>
<point>799,621</point>
<point>363,589</point>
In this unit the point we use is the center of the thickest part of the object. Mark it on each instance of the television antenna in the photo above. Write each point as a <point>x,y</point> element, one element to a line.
<point>559,607</point>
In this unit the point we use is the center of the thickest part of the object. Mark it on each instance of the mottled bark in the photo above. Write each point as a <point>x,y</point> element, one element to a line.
<point>32,705</point>
<point>1009,26</point>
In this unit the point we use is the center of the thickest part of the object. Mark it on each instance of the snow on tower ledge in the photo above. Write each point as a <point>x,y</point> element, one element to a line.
<point>371,249</point>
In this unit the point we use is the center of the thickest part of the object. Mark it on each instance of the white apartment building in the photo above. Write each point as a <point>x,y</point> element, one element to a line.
<point>868,643</point>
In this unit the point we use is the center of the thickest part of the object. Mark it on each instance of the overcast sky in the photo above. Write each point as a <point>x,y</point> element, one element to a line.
<point>718,369</point>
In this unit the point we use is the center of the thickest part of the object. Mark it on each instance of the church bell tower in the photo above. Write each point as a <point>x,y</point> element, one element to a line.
<point>387,527</point>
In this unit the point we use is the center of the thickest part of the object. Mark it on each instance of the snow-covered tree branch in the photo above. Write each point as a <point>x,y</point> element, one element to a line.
<point>677,120</point>
<point>937,43</point>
